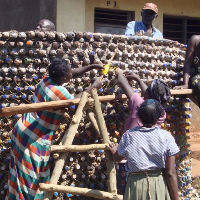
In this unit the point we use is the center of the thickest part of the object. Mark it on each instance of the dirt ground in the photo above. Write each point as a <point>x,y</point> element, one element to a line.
<point>195,147</point>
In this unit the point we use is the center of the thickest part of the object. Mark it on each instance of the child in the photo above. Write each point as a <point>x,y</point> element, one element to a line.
<point>158,90</point>
<point>150,153</point>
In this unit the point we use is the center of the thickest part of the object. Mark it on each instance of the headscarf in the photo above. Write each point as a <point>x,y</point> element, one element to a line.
<point>159,91</point>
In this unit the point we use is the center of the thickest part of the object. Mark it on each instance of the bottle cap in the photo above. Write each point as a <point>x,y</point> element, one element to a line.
<point>23,96</point>
<point>73,107</point>
<point>66,168</point>
<point>101,89</point>
<point>55,193</point>
<point>18,89</point>
<point>92,186</point>
<point>35,77</point>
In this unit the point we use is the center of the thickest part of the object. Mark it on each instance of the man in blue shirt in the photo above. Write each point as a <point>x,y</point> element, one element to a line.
<point>149,14</point>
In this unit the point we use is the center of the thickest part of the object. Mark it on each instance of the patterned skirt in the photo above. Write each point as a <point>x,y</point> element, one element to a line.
<point>28,165</point>
<point>141,186</point>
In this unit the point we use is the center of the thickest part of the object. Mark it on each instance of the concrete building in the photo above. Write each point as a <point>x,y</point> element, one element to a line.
<point>177,19</point>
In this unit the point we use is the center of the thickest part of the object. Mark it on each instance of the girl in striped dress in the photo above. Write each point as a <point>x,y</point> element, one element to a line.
<point>33,133</point>
<point>157,90</point>
<point>150,152</point>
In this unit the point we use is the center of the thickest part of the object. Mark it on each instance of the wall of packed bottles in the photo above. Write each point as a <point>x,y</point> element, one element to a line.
<point>24,57</point>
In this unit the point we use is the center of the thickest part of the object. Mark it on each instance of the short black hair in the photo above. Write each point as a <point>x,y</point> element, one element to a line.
<point>58,68</point>
<point>159,91</point>
<point>150,111</point>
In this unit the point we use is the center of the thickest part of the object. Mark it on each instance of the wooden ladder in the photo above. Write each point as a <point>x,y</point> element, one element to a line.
<point>66,147</point>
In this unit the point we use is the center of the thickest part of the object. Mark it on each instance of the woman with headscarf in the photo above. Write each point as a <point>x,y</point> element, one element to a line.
<point>150,152</point>
<point>33,133</point>
<point>158,90</point>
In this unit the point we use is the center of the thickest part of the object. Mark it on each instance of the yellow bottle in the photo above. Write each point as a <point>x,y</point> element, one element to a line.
<point>105,70</point>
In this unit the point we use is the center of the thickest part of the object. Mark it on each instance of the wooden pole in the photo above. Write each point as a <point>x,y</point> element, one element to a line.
<point>94,122</point>
<point>52,105</point>
<point>78,148</point>
<point>97,194</point>
<point>69,136</point>
<point>103,130</point>
<point>181,92</point>
<point>64,103</point>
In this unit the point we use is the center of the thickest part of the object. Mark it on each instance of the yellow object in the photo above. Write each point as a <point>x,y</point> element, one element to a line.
<point>115,140</point>
<point>187,127</point>
<point>107,66</point>
<point>55,155</point>
<point>187,105</point>
<point>106,69</point>
<point>61,127</point>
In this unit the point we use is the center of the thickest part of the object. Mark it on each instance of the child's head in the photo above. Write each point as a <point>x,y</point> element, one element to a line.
<point>159,91</point>
<point>149,112</point>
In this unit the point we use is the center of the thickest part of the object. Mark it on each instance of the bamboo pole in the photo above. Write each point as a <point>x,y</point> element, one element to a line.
<point>81,191</point>
<point>94,122</point>
<point>103,130</point>
<point>78,148</point>
<point>52,105</point>
<point>69,136</point>
<point>181,92</point>
<point>64,103</point>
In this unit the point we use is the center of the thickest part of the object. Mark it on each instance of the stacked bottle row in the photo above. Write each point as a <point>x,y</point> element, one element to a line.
<point>24,56</point>
<point>178,123</point>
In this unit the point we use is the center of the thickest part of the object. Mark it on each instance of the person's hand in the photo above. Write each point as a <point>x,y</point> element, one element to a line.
<point>97,83</point>
<point>97,66</point>
<point>180,87</point>
<point>133,76</point>
<point>120,75</point>
<point>140,33</point>
<point>119,72</point>
<point>112,147</point>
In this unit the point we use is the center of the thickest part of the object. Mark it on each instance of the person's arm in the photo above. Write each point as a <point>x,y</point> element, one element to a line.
<point>189,57</point>
<point>97,84</point>
<point>124,84</point>
<point>81,70</point>
<point>171,177</point>
<point>135,77</point>
<point>113,149</point>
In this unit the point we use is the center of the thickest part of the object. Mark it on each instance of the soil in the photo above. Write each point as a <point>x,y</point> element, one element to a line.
<point>195,147</point>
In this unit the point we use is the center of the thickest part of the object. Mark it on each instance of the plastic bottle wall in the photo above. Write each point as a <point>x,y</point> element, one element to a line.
<point>24,57</point>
